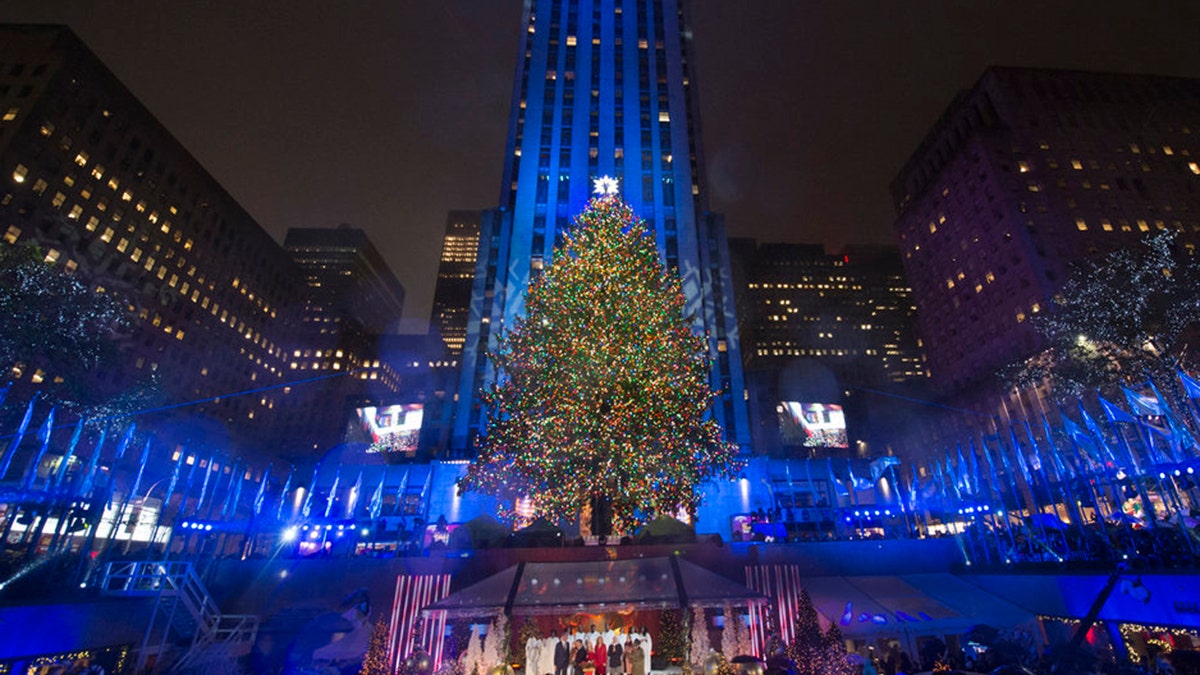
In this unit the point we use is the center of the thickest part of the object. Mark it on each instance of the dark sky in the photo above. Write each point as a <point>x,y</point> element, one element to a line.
<point>387,114</point>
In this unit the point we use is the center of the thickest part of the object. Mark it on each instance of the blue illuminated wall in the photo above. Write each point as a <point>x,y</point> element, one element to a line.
<point>603,87</point>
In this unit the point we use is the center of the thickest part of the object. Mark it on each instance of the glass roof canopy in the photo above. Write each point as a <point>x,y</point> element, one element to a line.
<point>595,586</point>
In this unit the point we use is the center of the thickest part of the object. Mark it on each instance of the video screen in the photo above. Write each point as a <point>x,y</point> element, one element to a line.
<point>813,425</point>
<point>393,428</point>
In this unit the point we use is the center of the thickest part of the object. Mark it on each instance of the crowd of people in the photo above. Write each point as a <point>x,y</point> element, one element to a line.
<point>611,652</point>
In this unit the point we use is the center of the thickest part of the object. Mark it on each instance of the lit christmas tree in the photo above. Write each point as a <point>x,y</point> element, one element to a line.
<point>1122,317</point>
<point>602,388</point>
<point>375,661</point>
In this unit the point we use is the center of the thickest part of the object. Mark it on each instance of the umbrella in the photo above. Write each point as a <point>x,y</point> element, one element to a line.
<point>480,532</point>
<point>666,530</point>
<point>540,532</point>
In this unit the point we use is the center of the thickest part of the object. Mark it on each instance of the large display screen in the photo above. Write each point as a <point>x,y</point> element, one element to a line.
<point>813,425</point>
<point>393,428</point>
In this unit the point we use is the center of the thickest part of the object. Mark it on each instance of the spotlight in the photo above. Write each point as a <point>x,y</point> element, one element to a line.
<point>289,535</point>
<point>365,532</point>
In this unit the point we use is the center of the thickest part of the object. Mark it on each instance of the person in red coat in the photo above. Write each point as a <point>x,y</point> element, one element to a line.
<point>600,657</point>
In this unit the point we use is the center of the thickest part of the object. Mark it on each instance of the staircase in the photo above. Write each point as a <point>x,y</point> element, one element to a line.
<point>185,620</point>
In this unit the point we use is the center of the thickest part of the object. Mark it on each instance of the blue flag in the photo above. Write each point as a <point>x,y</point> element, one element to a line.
<point>1113,413</point>
<point>11,450</point>
<point>262,491</point>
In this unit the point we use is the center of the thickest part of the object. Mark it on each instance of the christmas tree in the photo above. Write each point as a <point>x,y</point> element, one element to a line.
<point>602,390</point>
<point>701,648</point>
<point>375,661</point>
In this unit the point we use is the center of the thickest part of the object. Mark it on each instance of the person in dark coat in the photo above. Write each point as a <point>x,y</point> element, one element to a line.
<point>562,655</point>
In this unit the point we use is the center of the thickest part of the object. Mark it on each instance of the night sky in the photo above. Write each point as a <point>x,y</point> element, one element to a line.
<point>387,114</point>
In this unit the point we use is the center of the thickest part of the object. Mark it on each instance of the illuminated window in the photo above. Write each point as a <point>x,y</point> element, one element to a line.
<point>664,116</point>
<point>81,159</point>
<point>108,235</point>
<point>136,255</point>
<point>58,200</point>
<point>92,223</point>
<point>1191,165</point>
<point>47,128</point>
<point>126,196</point>
<point>12,234</point>
<point>51,256</point>
<point>122,245</point>
<point>11,114</point>
<point>1081,225</point>
<point>1106,225</point>
<point>97,172</point>
<point>1077,165</point>
<point>113,183</point>
<point>1023,167</point>
<point>40,186</point>
<point>19,173</point>
<point>571,41</point>
<point>76,211</point>
<point>1143,226</point>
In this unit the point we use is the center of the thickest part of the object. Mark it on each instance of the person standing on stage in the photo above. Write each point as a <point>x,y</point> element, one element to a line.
<point>635,659</point>
<point>616,658</point>
<point>562,655</point>
<point>600,657</point>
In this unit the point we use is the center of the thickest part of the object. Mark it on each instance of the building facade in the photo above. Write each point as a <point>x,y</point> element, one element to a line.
<point>347,278</point>
<point>455,277</point>
<point>822,328</point>
<point>353,299</point>
<point>602,88</point>
<point>1025,174</point>
<point>92,178</point>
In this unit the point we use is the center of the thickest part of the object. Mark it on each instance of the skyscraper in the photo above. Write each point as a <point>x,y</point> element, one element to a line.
<point>603,88</point>
<point>348,281</point>
<point>824,328</point>
<point>1023,175</point>
<point>91,177</point>
<point>456,275</point>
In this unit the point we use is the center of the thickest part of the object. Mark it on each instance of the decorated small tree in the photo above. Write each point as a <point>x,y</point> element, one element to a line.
<point>473,658</point>
<point>729,634</point>
<point>375,661</point>
<point>672,636</point>
<point>495,646</point>
<point>602,389</point>
<point>700,646</point>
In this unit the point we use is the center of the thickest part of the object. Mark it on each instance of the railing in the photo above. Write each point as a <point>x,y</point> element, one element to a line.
<point>176,585</point>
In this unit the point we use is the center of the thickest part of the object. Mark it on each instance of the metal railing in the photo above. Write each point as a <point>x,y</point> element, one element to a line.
<point>185,614</point>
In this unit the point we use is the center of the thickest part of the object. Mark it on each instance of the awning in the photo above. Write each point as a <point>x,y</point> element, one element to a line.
<point>915,604</point>
<point>595,586</point>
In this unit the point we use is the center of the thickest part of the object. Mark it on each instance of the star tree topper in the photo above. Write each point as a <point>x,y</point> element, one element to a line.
<point>605,185</point>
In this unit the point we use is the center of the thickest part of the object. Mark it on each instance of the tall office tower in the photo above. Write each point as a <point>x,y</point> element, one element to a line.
<point>1023,175</point>
<point>456,275</point>
<point>89,175</point>
<point>347,279</point>
<point>353,299</point>
<point>603,88</point>
<point>824,329</point>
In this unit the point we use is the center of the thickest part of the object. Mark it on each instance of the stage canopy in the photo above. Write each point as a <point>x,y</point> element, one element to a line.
<point>595,586</point>
<point>914,604</point>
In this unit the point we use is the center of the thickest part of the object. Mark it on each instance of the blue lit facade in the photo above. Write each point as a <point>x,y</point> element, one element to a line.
<point>603,88</point>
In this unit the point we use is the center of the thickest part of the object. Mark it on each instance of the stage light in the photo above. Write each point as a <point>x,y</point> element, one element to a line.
<point>289,535</point>
<point>283,574</point>
<point>365,532</point>
<point>208,527</point>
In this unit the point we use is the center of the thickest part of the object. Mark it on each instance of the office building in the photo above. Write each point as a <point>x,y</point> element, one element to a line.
<point>828,329</point>
<point>1024,175</point>
<point>603,88</point>
<point>348,281</point>
<point>93,179</point>
<point>456,275</point>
